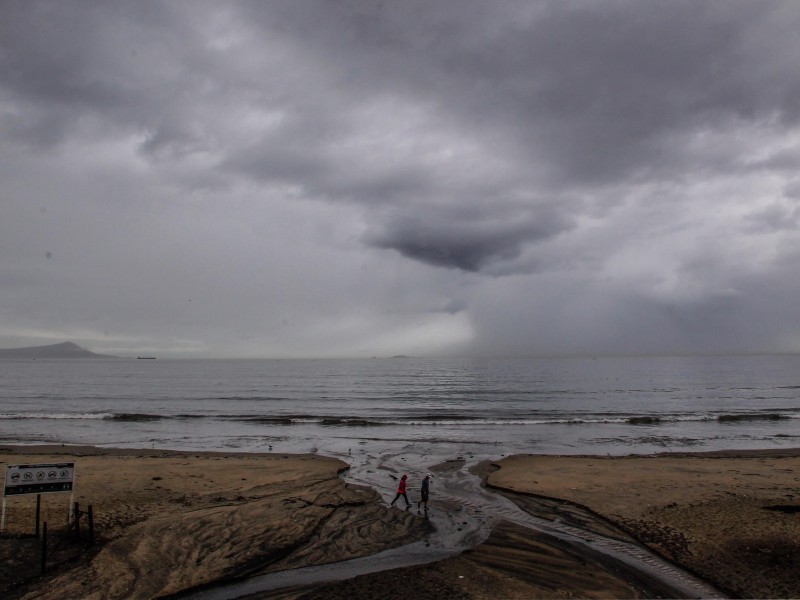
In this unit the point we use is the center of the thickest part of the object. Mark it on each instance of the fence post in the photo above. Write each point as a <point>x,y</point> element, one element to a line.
<point>38,512</point>
<point>77,520</point>
<point>90,516</point>
<point>44,548</point>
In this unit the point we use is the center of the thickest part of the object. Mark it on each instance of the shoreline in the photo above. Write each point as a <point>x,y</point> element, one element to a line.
<point>186,519</point>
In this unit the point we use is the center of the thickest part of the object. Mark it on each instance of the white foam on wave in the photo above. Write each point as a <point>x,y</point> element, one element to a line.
<point>43,415</point>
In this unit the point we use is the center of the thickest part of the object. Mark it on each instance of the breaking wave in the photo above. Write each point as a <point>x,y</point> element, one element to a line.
<point>423,420</point>
<point>43,415</point>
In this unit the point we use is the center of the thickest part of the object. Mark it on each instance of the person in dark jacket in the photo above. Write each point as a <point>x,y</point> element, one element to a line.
<point>424,490</point>
<point>401,491</point>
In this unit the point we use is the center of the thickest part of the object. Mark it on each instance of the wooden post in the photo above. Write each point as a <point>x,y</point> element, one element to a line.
<point>77,520</point>
<point>91,525</point>
<point>38,512</point>
<point>44,548</point>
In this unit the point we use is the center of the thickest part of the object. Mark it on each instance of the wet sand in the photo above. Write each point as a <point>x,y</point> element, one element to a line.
<point>514,563</point>
<point>170,521</point>
<point>731,517</point>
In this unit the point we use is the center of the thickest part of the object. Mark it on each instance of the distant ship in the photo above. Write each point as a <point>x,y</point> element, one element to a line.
<point>145,358</point>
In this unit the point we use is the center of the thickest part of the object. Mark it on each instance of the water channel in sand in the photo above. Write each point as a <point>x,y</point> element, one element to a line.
<point>463,514</point>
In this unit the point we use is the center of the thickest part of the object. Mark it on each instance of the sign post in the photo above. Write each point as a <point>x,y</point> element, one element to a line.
<point>36,479</point>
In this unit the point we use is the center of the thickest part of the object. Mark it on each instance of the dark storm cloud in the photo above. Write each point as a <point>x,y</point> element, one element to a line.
<point>468,243</point>
<point>62,61</point>
<point>571,96</point>
<point>574,94</point>
<point>596,90</point>
<point>640,157</point>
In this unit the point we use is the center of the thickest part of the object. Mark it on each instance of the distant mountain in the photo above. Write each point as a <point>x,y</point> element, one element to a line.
<point>65,350</point>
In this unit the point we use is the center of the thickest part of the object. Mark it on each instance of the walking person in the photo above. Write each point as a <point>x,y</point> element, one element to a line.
<point>424,491</point>
<point>401,491</point>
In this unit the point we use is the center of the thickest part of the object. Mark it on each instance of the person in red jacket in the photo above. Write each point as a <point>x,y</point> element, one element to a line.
<point>401,491</point>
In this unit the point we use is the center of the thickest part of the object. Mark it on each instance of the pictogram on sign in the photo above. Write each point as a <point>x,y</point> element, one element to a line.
<point>39,479</point>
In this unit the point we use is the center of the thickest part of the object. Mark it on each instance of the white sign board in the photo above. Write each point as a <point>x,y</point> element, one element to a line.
<point>39,479</point>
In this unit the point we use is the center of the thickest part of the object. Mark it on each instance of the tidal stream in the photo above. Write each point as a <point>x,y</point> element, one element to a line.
<point>463,514</point>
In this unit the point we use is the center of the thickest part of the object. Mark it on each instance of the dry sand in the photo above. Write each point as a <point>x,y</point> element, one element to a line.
<point>170,521</point>
<point>733,518</point>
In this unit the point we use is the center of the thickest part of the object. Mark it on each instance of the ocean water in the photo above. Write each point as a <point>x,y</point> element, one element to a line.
<point>437,407</point>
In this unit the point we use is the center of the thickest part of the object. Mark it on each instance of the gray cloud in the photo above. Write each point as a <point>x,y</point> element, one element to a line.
<point>454,241</point>
<point>594,91</point>
<point>638,160</point>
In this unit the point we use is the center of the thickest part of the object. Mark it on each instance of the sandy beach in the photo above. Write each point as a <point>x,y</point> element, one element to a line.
<point>730,517</point>
<point>169,521</point>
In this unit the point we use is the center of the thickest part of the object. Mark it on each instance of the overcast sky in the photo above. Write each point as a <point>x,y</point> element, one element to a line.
<point>302,178</point>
